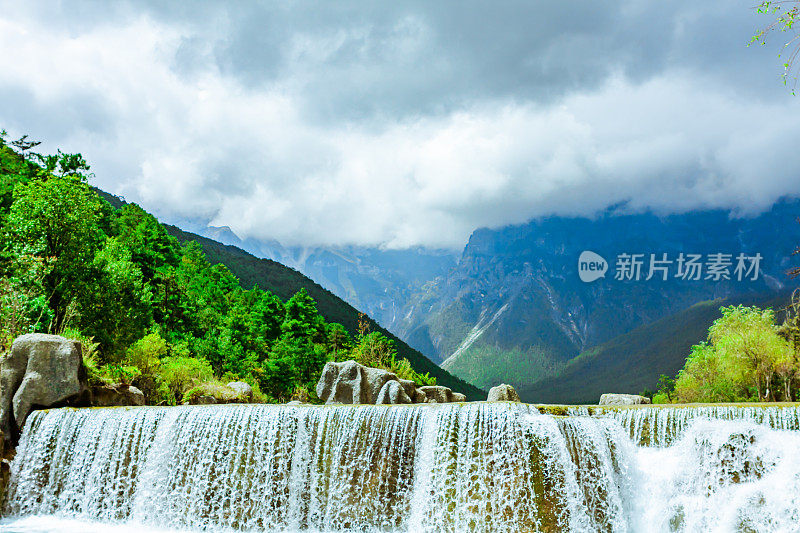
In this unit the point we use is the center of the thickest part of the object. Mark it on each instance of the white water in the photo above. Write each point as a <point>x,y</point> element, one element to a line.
<point>451,468</point>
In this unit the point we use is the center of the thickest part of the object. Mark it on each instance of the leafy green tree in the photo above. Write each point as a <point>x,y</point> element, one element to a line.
<point>745,357</point>
<point>56,222</point>
<point>302,319</point>
<point>338,341</point>
<point>117,310</point>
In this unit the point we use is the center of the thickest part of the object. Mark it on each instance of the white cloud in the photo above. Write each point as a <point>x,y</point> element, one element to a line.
<point>206,145</point>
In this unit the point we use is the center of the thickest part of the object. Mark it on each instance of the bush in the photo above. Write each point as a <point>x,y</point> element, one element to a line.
<point>215,389</point>
<point>181,373</point>
<point>145,355</point>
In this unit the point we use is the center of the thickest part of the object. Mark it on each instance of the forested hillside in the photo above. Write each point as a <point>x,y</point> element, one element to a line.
<point>284,282</point>
<point>155,312</point>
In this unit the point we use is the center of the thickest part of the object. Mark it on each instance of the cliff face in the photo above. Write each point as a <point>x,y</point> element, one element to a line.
<point>515,308</point>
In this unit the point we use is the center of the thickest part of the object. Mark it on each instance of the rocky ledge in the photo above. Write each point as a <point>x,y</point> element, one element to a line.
<point>349,382</point>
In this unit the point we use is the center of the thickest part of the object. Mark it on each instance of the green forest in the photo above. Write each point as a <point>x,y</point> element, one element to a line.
<point>150,311</point>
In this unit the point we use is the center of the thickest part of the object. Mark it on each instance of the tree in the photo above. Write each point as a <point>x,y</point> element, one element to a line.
<point>786,14</point>
<point>116,309</point>
<point>749,340</point>
<point>666,386</point>
<point>54,223</point>
<point>745,357</point>
<point>302,319</point>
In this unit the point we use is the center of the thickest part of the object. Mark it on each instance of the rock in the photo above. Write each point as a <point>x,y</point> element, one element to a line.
<point>409,387</point>
<point>40,371</point>
<point>242,389</point>
<point>392,392</point>
<point>458,397</point>
<point>419,396</point>
<point>623,399</point>
<point>503,393</point>
<point>437,394</point>
<point>117,396</point>
<point>201,400</point>
<point>351,383</point>
<point>295,402</point>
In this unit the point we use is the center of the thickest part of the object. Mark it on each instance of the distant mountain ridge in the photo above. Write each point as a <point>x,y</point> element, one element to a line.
<point>515,310</point>
<point>633,362</point>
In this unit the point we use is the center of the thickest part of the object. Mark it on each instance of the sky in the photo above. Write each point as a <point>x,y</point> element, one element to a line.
<point>399,124</point>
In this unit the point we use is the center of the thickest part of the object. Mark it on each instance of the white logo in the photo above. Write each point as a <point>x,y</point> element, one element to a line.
<point>591,266</point>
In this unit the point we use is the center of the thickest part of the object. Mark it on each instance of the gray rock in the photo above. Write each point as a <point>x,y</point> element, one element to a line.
<point>295,402</point>
<point>458,397</point>
<point>242,389</point>
<point>392,392</point>
<point>202,400</point>
<point>351,383</point>
<point>117,396</point>
<point>409,387</point>
<point>419,396</point>
<point>40,371</point>
<point>623,399</point>
<point>437,394</point>
<point>503,393</point>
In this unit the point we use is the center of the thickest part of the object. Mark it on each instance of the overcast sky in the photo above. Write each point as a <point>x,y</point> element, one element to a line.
<point>405,123</point>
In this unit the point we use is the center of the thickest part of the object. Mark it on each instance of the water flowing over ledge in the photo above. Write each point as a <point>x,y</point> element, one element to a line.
<point>454,468</point>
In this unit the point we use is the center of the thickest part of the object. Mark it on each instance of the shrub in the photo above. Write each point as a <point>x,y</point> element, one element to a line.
<point>182,373</point>
<point>215,389</point>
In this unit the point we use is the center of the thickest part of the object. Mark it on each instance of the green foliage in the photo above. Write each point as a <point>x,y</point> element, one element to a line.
<point>744,359</point>
<point>376,350</point>
<point>666,387</point>
<point>91,356</point>
<point>116,373</point>
<point>215,389</point>
<point>181,373</point>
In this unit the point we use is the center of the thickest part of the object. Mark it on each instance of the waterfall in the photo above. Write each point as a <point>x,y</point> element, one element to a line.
<point>474,467</point>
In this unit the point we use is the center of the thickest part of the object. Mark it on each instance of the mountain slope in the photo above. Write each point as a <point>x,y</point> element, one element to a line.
<point>284,282</point>
<point>634,361</point>
<point>377,281</point>
<point>514,308</point>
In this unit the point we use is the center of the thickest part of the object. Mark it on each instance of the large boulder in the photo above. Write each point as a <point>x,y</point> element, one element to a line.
<point>623,399</point>
<point>40,371</point>
<point>352,383</point>
<point>117,396</point>
<point>503,393</point>
<point>242,389</point>
<point>440,394</point>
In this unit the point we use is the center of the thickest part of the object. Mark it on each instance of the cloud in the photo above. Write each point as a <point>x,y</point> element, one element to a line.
<point>405,125</point>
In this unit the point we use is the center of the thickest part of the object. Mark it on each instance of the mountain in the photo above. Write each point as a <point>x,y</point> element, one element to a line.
<point>378,281</point>
<point>634,361</point>
<point>515,310</point>
<point>284,282</point>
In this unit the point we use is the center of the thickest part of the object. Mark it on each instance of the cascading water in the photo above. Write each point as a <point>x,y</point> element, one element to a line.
<point>452,468</point>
